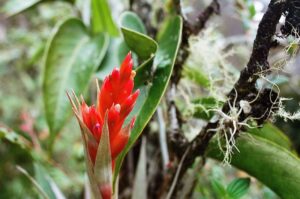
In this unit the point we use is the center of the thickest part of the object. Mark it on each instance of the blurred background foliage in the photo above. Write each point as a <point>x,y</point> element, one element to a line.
<point>225,48</point>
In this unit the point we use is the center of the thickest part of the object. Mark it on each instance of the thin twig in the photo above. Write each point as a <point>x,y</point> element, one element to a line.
<point>177,174</point>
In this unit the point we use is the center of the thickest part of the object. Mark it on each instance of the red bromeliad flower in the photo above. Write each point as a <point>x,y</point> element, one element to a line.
<point>115,99</point>
<point>103,133</point>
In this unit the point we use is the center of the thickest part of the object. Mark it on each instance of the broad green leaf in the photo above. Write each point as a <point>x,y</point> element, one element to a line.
<point>153,87</point>
<point>102,20</point>
<point>13,7</point>
<point>140,181</point>
<point>133,32</point>
<point>132,21</point>
<point>71,58</point>
<point>273,134</point>
<point>238,187</point>
<point>13,137</point>
<point>118,47</point>
<point>270,163</point>
<point>141,44</point>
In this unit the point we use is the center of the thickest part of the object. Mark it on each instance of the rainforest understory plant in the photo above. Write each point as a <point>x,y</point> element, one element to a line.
<point>102,129</point>
<point>175,89</point>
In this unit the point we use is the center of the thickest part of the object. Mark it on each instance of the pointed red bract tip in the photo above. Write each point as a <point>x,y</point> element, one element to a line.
<point>115,74</point>
<point>91,118</point>
<point>120,141</point>
<point>129,103</point>
<point>126,67</point>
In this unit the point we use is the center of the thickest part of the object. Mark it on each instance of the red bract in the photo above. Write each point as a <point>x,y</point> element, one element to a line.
<point>116,98</point>
<point>102,126</point>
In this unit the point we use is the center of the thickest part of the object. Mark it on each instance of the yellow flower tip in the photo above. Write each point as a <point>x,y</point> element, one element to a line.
<point>133,73</point>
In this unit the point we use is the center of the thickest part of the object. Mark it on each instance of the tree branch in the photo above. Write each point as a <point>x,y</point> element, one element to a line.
<point>188,30</point>
<point>245,89</point>
<point>176,138</point>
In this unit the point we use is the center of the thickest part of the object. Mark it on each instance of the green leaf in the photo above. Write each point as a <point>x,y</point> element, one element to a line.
<point>270,163</point>
<point>153,87</point>
<point>117,50</point>
<point>252,10</point>
<point>273,134</point>
<point>102,20</point>
<point>164,62</point>
<point>45,182</point>
<point>118,47</point>
<point>14,7</point>
<point>42,181</point>
<point>71,58</point>
<point>218,188</point>
<point>13,137</point>
<point>196,75</point>
<point>133,32</point>
<point>203,107</point>
<point>123,51</point>
<point>110,60</point>
<point>238,187</point>
<point>131,21</point>
<point>141,44</point>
